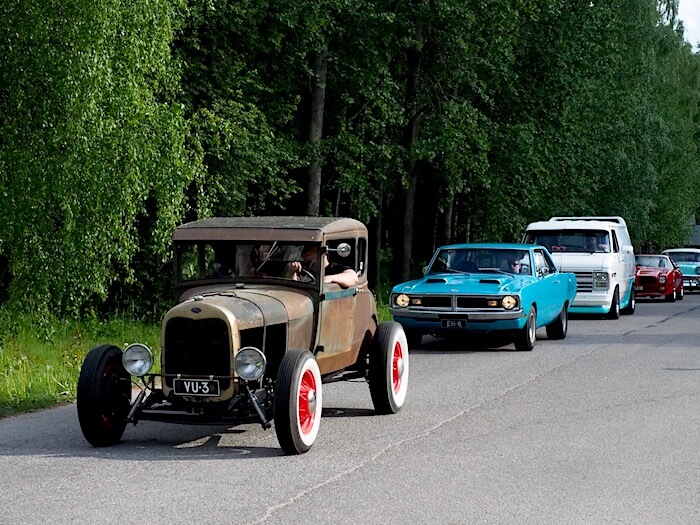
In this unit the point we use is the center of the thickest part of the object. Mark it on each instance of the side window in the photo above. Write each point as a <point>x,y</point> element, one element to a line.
<point>361,265</point>
<point>354,260</point>
<point>543,264</point>
<point>616,245</point>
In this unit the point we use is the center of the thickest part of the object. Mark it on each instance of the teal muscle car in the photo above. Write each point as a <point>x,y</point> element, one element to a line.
<point>510,289</point>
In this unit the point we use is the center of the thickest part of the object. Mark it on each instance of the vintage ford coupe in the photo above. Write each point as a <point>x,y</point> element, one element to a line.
<point>256,330</point>
<point>494,288</point>
<point>658,276</point>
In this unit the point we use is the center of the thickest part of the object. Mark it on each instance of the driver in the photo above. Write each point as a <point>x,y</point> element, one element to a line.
<point>334,272</point>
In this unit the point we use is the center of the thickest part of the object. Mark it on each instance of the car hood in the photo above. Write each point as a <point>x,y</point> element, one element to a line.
<point>688,268</point>
<point>250,307</point>
<point>650,270</point>
<point>475,283</point>
<point>572,262</point>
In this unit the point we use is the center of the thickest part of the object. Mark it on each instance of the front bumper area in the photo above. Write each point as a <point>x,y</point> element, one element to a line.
<point>476,321</point>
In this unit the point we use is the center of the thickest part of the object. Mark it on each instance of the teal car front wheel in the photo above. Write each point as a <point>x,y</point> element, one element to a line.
<point>526,336</point>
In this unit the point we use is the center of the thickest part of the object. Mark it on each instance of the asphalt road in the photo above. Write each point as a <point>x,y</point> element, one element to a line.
<point>602,427</point>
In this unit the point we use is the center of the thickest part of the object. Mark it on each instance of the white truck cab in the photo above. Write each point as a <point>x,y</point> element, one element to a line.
<point>599,251</point>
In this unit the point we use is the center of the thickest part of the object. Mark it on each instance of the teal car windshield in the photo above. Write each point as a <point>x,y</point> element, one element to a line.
<point>484,260</point>
<point>685,257</point>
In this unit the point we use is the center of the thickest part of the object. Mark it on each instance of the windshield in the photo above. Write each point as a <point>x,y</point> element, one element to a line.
<point>576,241</point>
<point>685,256</point>
<point>481,260</point>
<point>200,260</point>
<point>650,260</point>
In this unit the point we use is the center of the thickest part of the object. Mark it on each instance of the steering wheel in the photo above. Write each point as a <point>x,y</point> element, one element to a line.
<point>305,276</point>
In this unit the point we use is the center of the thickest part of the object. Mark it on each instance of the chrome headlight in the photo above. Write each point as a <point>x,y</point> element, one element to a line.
<point>250,363</point>
<point>137,359</point>
<point>662,279</point>
<point>402,300</point>
<point>509,302</point>
<point>601,280</point>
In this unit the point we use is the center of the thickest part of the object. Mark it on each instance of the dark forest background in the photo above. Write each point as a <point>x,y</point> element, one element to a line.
<point>432,121</point>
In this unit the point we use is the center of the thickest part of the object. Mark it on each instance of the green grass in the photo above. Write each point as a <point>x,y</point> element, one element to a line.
<point>39,365</point>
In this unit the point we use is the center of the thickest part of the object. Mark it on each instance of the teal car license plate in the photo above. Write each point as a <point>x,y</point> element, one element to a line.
<point>454,323</point>
<point>196,387</point>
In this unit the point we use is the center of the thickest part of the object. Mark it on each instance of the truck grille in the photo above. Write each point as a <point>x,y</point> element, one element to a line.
<point>584,281</point>
<point>197,348</point>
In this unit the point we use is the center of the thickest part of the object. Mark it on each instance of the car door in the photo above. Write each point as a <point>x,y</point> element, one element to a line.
<point>550,296</point>
<point>336,331</point>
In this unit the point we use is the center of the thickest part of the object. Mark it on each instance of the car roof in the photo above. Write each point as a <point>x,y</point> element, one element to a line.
<point>573,224</point>
<point>272,228</point>
<point>491,245</point>
<point>676,250</point>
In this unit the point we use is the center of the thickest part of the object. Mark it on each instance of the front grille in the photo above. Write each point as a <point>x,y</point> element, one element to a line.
<point>478,302</point>
<point>584,281</point>
<point>197,348</point>
<point>436,302</point>
<point>646,279</point>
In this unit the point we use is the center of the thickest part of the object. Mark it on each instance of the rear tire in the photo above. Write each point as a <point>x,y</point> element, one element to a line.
<point>525,338</point>
<point>388,368</point>
<point>297,402</point>
<point>103,396</point>
<point>558,328</point>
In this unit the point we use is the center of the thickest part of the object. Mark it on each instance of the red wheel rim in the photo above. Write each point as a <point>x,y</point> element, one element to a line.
<point>397,367</point>
<point>307,402</point>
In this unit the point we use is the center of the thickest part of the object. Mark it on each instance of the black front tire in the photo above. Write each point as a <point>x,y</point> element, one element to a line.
<point>560,326</point>
<point>680,293</point>
<point>298,402</point>
<point>388,368</point>
<point>525,338</point>
<point>614,312</point>
<point>632,305</point>
<point>103,396</point>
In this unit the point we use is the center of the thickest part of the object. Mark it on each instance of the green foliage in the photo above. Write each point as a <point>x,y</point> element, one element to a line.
<point>141,116</point>
<point>40,369</point>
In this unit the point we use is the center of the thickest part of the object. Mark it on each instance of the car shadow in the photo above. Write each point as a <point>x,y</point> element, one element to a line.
<point>464,344</point>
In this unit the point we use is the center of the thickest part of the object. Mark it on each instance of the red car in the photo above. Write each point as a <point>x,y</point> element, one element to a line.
<point>658,276</point>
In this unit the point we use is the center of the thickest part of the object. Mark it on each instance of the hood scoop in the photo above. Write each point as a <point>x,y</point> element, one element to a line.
<point>489,281</point>
<point>436,280</point>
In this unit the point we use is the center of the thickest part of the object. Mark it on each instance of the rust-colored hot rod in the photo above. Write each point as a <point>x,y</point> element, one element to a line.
<point>261,322</point>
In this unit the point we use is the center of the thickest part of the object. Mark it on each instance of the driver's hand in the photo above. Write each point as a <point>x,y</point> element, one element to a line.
<point>295,268</point>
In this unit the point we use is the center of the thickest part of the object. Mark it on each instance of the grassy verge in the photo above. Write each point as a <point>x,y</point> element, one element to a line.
<point>40,367</point>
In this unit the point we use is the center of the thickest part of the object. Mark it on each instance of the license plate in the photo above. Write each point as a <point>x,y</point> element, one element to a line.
<point>639,288</point>
<point>196,387</point>
<point>454,323</point>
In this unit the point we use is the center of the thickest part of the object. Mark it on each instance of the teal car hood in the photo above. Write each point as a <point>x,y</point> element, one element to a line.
<point>477,284</point>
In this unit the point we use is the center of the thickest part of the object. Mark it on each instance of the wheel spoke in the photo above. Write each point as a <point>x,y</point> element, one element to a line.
<point>397,365</point>
<point>307,402</point>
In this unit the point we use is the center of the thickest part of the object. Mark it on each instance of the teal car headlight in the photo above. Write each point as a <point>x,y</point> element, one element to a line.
<point>402,300</point>
<point>509,302</point>
<point>697,270</point>
<point>601,280</point>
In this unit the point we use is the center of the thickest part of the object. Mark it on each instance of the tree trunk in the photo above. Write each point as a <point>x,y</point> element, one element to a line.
<point>375,247</point>
<point>317,84</point>
<point>402,248</point>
